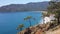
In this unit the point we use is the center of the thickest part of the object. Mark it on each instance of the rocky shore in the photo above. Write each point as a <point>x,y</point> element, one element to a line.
<point>41,29</point>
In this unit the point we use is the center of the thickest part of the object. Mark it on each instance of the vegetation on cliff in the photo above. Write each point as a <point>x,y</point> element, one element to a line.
<point>54,8</point>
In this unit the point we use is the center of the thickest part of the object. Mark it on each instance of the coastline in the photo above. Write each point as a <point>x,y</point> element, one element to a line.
<point>41,28</point>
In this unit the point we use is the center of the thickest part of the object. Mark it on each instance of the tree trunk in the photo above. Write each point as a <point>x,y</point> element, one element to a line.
<point>20,29</point>
<point>30,22</point>
<point>58,19</point>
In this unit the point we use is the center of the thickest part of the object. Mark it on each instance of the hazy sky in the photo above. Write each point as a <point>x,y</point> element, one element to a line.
<point>6,2</point>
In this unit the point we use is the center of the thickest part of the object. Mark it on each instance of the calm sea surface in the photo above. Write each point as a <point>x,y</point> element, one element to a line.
<point>10,21</point>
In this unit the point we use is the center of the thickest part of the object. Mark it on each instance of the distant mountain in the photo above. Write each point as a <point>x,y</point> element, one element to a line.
<point>33,6</point>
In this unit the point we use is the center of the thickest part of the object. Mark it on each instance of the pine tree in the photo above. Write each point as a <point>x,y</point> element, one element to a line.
<point>54,8</point>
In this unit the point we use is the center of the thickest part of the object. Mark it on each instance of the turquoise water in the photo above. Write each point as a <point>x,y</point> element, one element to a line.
<point>10,21</point>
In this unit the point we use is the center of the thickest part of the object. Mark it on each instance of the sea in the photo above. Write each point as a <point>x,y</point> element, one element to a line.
<point>11,20</point>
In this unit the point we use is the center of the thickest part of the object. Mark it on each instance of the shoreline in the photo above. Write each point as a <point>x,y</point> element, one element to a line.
<point>21,11</point>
